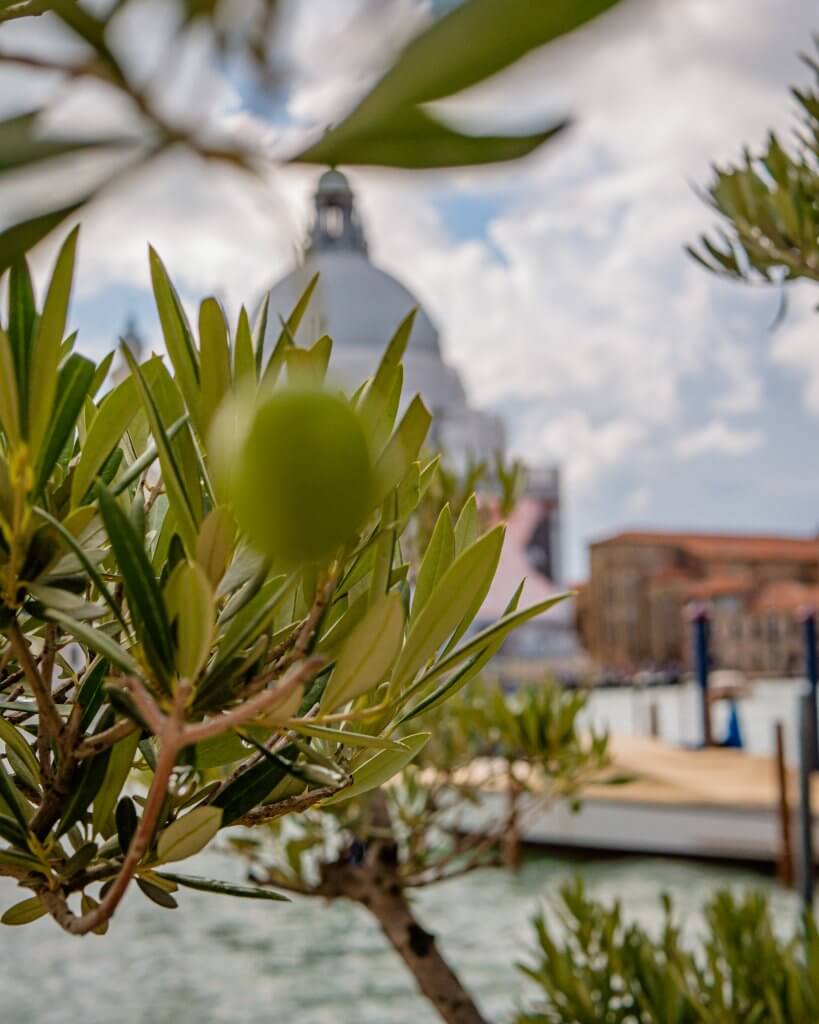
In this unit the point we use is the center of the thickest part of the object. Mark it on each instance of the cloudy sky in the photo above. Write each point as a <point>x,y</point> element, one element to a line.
<point>560,284</point>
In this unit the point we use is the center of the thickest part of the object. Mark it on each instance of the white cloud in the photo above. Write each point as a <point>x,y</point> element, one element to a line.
<point>576,311</point>
<point>795,342</point>
<point>639,499</point>
<point>718,438</point>
<point>587,450</point>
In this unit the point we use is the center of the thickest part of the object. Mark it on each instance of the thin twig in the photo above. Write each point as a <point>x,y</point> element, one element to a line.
<point>256,706</point>
<point>50,722</point>
<point>94,745</point>
<point>291,804</point>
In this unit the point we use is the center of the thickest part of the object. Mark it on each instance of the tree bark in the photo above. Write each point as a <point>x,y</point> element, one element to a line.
<point>375,882</point>
<point>417,948</point>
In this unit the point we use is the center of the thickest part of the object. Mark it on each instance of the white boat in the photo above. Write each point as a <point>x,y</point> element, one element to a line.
<point>709,804</point>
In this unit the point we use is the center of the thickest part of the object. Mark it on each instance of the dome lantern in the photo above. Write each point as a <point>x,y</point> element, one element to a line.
<point>336,224</point>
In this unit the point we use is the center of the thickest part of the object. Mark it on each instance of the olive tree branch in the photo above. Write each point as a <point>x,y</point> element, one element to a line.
<point>94,745</point>
<point>51,724</point>
<point>291,804</point>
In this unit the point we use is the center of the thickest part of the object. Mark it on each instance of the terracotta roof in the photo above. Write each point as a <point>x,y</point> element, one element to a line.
<point>751,547</point>
<point>720,586</point>
<point>786,596</point>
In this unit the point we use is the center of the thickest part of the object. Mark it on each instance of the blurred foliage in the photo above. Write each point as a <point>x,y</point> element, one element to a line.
<point>497,487</point>
<point>475,742</point>
<point>770,202</point>
<point>141,630</point>
<point>392,125</point>
<point>594,967</point>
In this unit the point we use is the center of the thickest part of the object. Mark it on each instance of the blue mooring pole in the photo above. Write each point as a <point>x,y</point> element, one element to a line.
<point>699,618</point>
<point>812,674</point>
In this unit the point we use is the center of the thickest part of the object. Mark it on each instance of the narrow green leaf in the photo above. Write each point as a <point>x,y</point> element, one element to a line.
<point>14,740</point>
<point>178,494</point>
<point>254,618</point>
<point>141,588</point>
<point>9,399</point>
<point>20,238</point>
<point>368,653</point>
<point>126,822</point>
<point>188,835</point>
<point>214,359</point>
<point>191,605</point>
<point>244,356</point>
<point>90,696</point>
<point>23,144</point>
<point>138,466</point>
<point>66,601</point>
<point>445,609</point>
<point>245,892</point>
<point>437,559</point>
<point>469,44</point>
<point>428,474</point>
<point>84,789</point>
<point>497,632</point>
<point>98,641</point>
<point>12,833</point>
<point>259,332</point>
<point>116,775</point>
<point>383,551</point>
<point>45,354</point>
<point>345,737</point>
<point>402,449</point>
<point>22,322</point>
<point>458,680</point>
<point>466,529</point>
<point>101,373</point>
<point>80,860</point>
<point>413,139</point>
<point>18,859</point>
<point>177,333</point>
<point>288,331</point>
<point>85,561</point>
<point>381,768</point>
<point>13,799</point>
<point>115,414</point>
<point>215,543</point>
<point>251,788</point>
<point>73,384</point>
<point>24,912</point>
<point>157,895</point>
<point>307,367</point>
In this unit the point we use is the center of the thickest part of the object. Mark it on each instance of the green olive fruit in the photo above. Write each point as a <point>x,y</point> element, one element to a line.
<point>302,480</point>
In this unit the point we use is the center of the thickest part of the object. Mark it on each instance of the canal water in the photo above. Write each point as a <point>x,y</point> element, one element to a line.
<point>218,960</point>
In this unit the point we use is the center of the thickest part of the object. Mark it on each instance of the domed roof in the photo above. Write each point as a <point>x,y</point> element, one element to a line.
<point>354,302</point>
<point>333,181</point>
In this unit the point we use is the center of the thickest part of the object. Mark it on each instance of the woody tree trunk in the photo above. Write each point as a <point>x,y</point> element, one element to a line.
<point>375,883</point>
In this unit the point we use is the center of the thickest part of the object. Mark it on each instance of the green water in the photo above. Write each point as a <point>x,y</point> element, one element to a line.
<point>242,962</point>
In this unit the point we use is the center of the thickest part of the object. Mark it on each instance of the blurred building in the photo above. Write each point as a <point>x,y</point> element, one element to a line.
<point>633,609</point>
<point>359,306</point>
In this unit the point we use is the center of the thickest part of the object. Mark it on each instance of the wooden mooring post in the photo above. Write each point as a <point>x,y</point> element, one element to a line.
<point>807,747</point>
<point>784,867</point>
<point>811,673</point>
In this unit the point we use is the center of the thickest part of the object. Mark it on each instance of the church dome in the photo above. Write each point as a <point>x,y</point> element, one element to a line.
<point>355,303</point>
<point>360,307</point>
